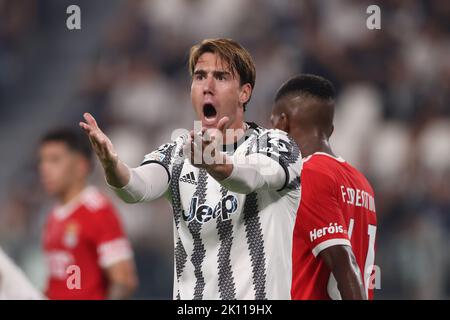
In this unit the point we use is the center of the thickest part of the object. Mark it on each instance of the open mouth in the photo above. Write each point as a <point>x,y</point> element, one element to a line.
<point>209,111</point>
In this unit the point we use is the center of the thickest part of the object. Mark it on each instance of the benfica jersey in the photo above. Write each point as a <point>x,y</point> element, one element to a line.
<point>230,245</point>
<point>82,238</point>
<point>337,208</point>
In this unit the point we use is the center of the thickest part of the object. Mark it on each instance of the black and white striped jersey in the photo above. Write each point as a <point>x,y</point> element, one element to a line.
<point>230,245</point>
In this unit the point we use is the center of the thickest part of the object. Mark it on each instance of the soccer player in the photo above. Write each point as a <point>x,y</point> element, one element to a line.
<point>87,252</point>
<point>334,235</point>
<point>14,285</point>
<point>233,215</point>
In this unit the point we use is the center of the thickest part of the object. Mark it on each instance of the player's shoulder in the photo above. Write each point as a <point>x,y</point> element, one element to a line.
<point>267,132</point>
<point>273,140</point>
<point>166,152</point>
<point>323,161</point>
<point>337,169</point>
<point>93,200</point>
<point>323,165</point>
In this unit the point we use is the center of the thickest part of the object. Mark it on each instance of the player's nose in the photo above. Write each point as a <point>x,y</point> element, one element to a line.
<point>209,85</point>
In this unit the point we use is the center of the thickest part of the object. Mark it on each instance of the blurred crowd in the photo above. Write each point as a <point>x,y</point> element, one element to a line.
<point>392,120</point>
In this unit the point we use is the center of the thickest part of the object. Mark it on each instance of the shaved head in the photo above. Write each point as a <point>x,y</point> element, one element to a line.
<point>307,101</point>
<point>304,108</point>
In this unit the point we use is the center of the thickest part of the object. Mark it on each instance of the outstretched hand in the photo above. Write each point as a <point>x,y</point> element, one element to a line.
<point>101,144</point>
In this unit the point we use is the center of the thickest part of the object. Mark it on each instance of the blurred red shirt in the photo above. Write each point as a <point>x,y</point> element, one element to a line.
<point>81,239</point>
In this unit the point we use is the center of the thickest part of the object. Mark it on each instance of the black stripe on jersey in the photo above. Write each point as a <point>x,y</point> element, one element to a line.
<point>179,251</point>
<point>227,287</point>
<point>294,184</point>
<point>199,252</point>
<point>180,260</point>
<point>287,175</point>
<point>292,156</point>
<point>287,159</point>
<point>255,243</point>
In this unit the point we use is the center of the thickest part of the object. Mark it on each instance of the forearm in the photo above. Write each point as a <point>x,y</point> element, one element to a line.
<point>117,175</point>
<point>122,280</point>
<point>350,285</point>
<point>252,173</point>
<point>342,263</point>
<point>120,291</point>
<point>145,183</point>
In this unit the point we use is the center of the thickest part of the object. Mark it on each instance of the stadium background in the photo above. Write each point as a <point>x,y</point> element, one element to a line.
<point>128,67</point>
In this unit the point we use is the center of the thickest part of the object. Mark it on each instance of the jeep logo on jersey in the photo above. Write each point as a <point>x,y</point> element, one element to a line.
<point>203,213</point>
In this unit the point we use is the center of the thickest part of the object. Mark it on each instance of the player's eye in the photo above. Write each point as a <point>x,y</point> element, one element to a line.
<point>199,76</point>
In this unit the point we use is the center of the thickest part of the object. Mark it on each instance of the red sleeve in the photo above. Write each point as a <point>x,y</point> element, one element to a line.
<point>109,237</point>
<point>321,216</point>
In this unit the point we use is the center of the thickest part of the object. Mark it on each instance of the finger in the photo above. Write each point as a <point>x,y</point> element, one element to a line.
<point>197,137</point>
<point>85,127</point>
<point>222,123</point>
<point>90,120</point>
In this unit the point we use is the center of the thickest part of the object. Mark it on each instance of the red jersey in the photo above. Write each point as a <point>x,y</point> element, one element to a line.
<point>84,236</point>
<point>337,207</point>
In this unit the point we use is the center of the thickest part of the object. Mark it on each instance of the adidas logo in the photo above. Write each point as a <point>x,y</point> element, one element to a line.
<point>189,178</point>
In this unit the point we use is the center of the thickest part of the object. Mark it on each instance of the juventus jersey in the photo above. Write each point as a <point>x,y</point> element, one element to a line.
<point>230,245</point>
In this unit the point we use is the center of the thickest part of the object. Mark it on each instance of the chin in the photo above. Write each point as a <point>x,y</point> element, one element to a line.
<point>209,125</point>
<point>51,190</point>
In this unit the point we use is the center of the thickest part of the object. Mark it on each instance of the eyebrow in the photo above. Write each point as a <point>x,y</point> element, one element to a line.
<point>215,73</point>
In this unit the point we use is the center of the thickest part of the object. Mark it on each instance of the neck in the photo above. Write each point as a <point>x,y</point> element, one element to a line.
<point>310,144</point>
<point>238,131</point>
<point>72,192</point>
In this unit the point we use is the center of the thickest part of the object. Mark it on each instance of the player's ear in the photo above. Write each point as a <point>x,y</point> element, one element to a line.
<point>245,94</point>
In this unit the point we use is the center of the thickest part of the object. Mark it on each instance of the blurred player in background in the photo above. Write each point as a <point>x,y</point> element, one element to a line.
<point>233,224</point>
<point>83,230</point>
<point>14,285</point>
<point>334,235</point>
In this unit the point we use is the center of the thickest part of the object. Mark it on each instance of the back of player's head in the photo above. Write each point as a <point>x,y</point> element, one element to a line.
<point>308,101</point>
<point>73,139</point>
<point>230,52</point>
<point>307,85</point>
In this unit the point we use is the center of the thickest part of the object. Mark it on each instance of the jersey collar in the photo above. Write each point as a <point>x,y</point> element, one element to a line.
<point>339,158</point>
<point>63,211</point>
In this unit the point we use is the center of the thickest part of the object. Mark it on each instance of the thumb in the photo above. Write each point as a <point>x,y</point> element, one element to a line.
<point>222,123</point>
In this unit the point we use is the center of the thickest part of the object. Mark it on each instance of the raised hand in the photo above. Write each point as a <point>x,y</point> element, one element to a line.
<point>101,144</point>
<point>203,153</point>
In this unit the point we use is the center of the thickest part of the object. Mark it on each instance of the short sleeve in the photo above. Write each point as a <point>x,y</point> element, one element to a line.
<point>109,238</point>
<point>277,145</point>
<point>320,214</point>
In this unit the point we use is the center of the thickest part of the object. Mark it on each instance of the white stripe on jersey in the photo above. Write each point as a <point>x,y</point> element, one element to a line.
<point>229,245</point>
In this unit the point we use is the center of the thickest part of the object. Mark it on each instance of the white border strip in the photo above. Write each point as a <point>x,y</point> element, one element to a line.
<point>329,243</point>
